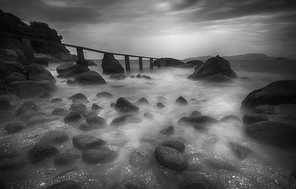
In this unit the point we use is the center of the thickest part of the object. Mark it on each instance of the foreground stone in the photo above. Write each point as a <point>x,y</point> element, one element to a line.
<point>78,97</point>
<point>104,95</point>
<point>125,106</point>
<point>42,151</point>
<point>110,65</point>
<point>72,116</point>
<point>78,107</point>
<point>99,155</point>
<point>169,62</point>
<point>59,112</point>
<point>96,121</point>
<point>14,127</point>
<point>89,78</point>
<point>87,142</point>
<point>54,137</point>
<point>122,120</point>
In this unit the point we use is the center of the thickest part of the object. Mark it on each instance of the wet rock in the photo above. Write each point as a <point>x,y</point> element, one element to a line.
<point>96,121</point>
<point>25,107</point>
<point>230,118</point>
<point>78,97</point>
<point>167,131</point>
<point>132,184</point>
<point>177,145</point>
<point>104,95</point>
<point>59,112</point>
<point>89,78</point>
<point>110,65</point>
<point>99,155</point>
<point>28,115</point>
<point>71,70</point>
<point>121,120</point>
<point>181,100</point>
<point>160,105</point>
<point>170,158</point>
<point>11,67</point>
<point>96,107</point>
<point>147,77</point>
<point>7,117</point>
<point>218,164</point>
<point>141,158</point>
<point>273,133</point>
<point>283,109</point>
<point>112,105</point>
<point>84,142</point>
<point>71,117</point>
<point>78,107</point>
<point>142,101</point>
<point>199,123</point>
<point>42,151</point>
<point>39,73</point>
<point>196,181</point>
<point>67,184</point>
<point>85,127</point>
<point>71,82</point>
<point>36,120</point>
<point>15,77</point>
<point>148,116</point>
<point>66,158</point>
<point>4,105</point>
<point>54,100</point>
<point>124,106</point>
<point>195,114</point>
<point>14,127</point>
<point>54,137</point>
<point>239,151</point>
<point>138,76</point>
<point>118,77</point>
<point>254,118</point>
<point>12,165</point>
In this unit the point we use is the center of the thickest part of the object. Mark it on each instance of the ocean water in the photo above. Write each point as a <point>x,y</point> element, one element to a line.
<point>267,168</point>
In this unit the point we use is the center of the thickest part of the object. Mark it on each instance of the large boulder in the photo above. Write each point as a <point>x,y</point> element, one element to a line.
<point>110,65</point>
<point>275,93</point>
<point>39,73</point>
<point>89,78</point>
<point>15,76</point>
<point>216,69</point>
<point>169,62</point>
<point>71,70</point>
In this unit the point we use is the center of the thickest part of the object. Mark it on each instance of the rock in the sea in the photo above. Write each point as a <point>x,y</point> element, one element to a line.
<point>71,82</point>
<point>42,151</point>
<point>4,104</point>
<point>142,101</point>
<point>118,77</point>
<point>199,123</point>
<point>99,155</point>
<point>181,100</point>
<point>66,158</point>
<point>148,116</point>
<point>177,145</point>
<point>160,105</point>
<point>170,62</point>
<point>275,93</point>
<point>71,117</point>
<point>96,121</point>
<point>26,107</point>
<point>104,95</point>
<point>78,97</point>
<point>36,120</point>
<point>59,112</point>
<point>95,107</point>
<point>230,118</point>
<point>215,69</point>
<point>167,131</point>
<point>84,142</point>
<point>66,184</point>
<point>54,137</point>
<point>89,78</point>
<point>132,184</point>
<point>239,151</point>
<point>124,119</point>
<point>196,63</point>
<point>71,70</point>
<point>125,106</point>
<point>14,127</point>
<point>85,127</point>
<point>195,114</point>
<point>54,100</point>
<point>78,107</point>
<point>110,65</point>
<point>273,133</point>
<point>170,158</point>
<point>39,73</point>
<point>141,158</point>
<point>196,181</point>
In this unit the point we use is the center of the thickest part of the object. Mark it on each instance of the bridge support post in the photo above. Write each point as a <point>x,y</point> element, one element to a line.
<point>140,63</point>
<point>28,51</point>
<point>81,61</point>
<point>127,63</point>
<point>151,63</point>
<point>158,63</point>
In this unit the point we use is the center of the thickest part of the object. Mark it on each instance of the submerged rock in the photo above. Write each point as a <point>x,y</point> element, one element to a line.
<point>14,127</point>
<point>71,82</point>
<point>124,106</point>
<point>148,116</point>
<point>72,116</point>
<point>36,120</point>
<point>89,78</point>
<point>67,184</point>
<point>96,107</point>
<point>55,100</point>
<point>160,105</point>
<point>41,151</point>
<point>84,142</point>
<point>78,107</point>
<point>121,120</point>
<point>59,112</point>
<point>54,137</point>
<point>195,114</point>
<point>199,123</point>
<point>99,155</point>
<point>110,65</point>
<point>142,101</point>
<point>177,145</point>
<point>104,95</point>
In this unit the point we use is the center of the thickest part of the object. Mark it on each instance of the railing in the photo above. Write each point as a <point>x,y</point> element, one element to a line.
<point>29,55</point>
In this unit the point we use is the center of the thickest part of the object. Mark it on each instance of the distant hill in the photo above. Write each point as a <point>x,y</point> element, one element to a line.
<point>249,56</point>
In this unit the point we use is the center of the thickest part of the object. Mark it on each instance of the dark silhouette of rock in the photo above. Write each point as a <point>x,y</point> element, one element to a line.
<point>78,97</point>
<point>169,62</point>
<point>42,151</point>
<point>160,105</point>
<point>196,63</point>
<point>10,67</point>
<point>14,127</point>
<point>170,158</point>
<point>95,107</point>
<point>78,107</point>
<point>54,137</point>
<point>59,112</point>
<point>110,65</point>
<point>273,133</point>
<point>254,118</point>
<point>36,120</point>
<point>12,165</point>
<point>71,82</point>
<point>71,117</point>
<point>66,158</point>
<point>104,95</point>
<point>141,158</point>
<point>84,142</point>
<point>67,184</point>
<point>282,109</point>
<point>167,131</point>
<point>124,106</point>
<point>148,116</point>
<point>142,101</point>
<point>230,118</point>
<point>85,127</point>
<point>4,104</point>
<point>132,184</point>
<point>181,100</point>
<point>117,77</point>
<point>195,114</point>
<point>275,93</point>
<point>147,77</point>
<point>54,100</point>
<point>99,155</point>
<point>96,121</point>
<point>196,181</point>
<point>70,70</point>
<point>177,145</point>
<point>199,123</point>
<point>39,73</point>
<point>239,151</point>
<point>124,119</point>
<point>89,78</point>
<point>216,69</point>
<point>15,76</point>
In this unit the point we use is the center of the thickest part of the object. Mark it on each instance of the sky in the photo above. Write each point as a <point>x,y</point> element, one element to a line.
<point>168,28</point>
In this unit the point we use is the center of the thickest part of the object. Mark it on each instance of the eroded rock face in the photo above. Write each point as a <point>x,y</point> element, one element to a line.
<point>110,65</point>
<point>216,69</point>
<point>89,78</point>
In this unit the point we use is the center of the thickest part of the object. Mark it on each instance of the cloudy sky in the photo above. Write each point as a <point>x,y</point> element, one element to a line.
<point>169,28</point>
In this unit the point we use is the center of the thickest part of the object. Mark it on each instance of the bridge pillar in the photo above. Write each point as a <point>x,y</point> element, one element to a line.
<point>151,63</point>
<point>140,63</point>
<point>28,51</point>
<point>81,61</point>
<point>127,63</point>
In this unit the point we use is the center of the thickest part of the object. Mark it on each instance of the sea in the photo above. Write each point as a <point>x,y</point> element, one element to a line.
<point>268,167</point>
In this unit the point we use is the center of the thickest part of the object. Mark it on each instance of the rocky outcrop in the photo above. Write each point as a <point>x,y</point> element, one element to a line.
<point>70,70</point>
<point>110,65</point>
<point>169,62</point>
<point>89,78</point>
<point>215,69</point>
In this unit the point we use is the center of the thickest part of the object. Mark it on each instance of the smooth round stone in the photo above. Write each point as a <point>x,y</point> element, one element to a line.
<point>72,116</point>
<point>54,137</point>
<point>55,100</point>
<point>104,95</point>
<point>14,127</point>
<point>41,151</point>
<point>59,112</point>
<point>178,145</point>
<point>99,155</point>
<point>87,141</point>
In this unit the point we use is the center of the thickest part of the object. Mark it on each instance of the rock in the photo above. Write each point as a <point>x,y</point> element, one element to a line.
<point>26,107</point>
<point>66,184</point>
<point>85,127</point>
<point>138,76</point>
<point>230,118</point>
<point>122,120</point>
<point>169,62</point>
<point>177,145</point>
<point>141,158</point>
<point>283,109</point>
<point>54,137</point>
<point>78,97</point>
<point>218,164</point>
<point>196,63</point>
<point>54,100</point>
<point>275,93</point>
<point>84,142</point>
<point>215,69</point>
<point>95,107</point>
<point>160,105</point>
<point>39,73</point>
<point>96,121</point>
<point>10,67</point>
<point>185,66</point>
<point>167,131</point>
<point>117,77</point>
<point>254,118</point>
<point>99,155</point>
<point>195,114</point>
<point>7,117</point>
<point>12,165</point>
<point>104,95</point>
<point>199,123</point>
<point>147,77</point>
<point>15,76</point>
<point>170,158</point>
<point>196,181</point>
<point>71,117</point>
<point>273,133</point>
<point>239,151</point>
<point>124,106</point>
<point>66,158</point>
<point>14,127</point>
<point>42,151</point>
<point>36,120</point>
<point>71,82</point>
<point>59,112</point>
<point>112,105</point>
<point>142,101</point>
<point>78,107</point>
<point>132,184</point>
<point>89,78</point>
<point>4,104</point>
<point>181,100</point>
<point>71,70</point>
<point>42,61</point>
<point>110,65</point>
<point>148,116</point>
